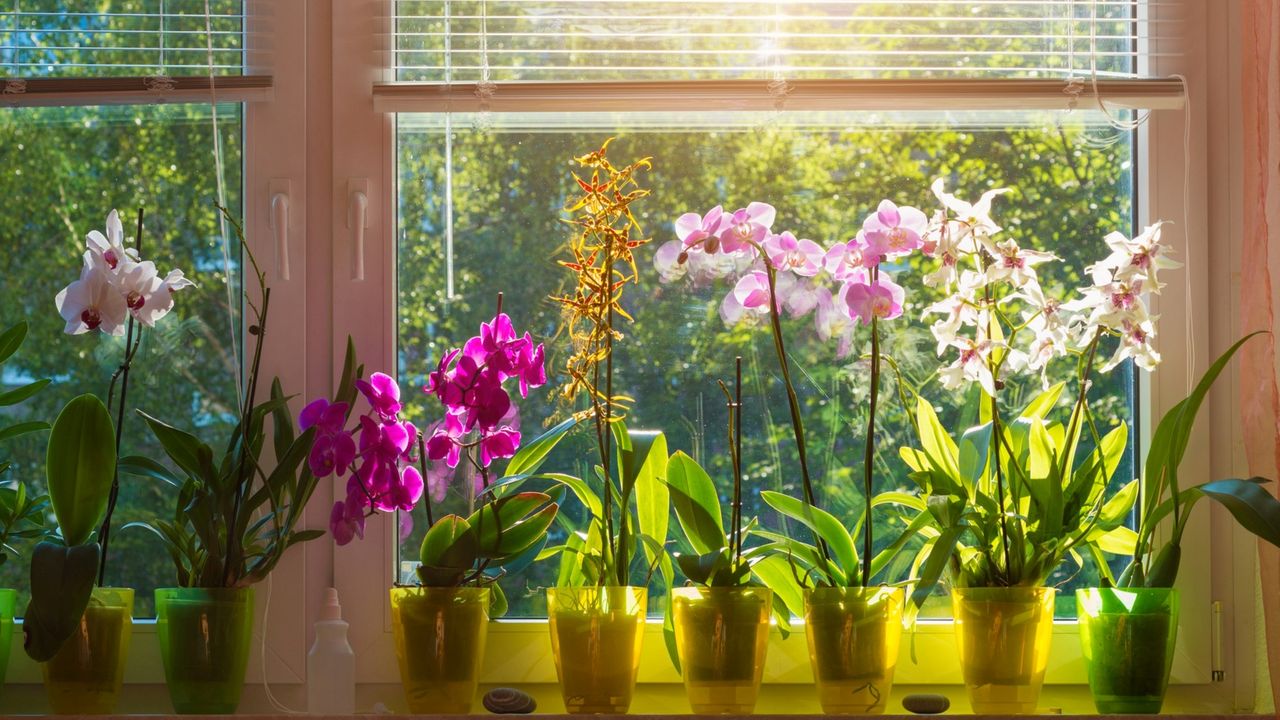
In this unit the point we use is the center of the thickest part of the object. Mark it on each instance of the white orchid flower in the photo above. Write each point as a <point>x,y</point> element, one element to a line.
<point>1135,343</point>
<point>109,249</point>
<point>92,302</point>
<point>975,216</point>
<point>160,301</point>
<point>1109,303</point>
<point>1015,264</point>
<point>1142,256</point>
<point>973,364</point>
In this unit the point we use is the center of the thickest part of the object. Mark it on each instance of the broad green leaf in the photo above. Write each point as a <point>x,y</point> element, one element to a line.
<point>80,466</point>
<point>1117,508</point>
<point>449,544</point>
<point>1040,406</point>
<point>936,443</point>
<point>146,467</point>
<point>1117,541</point>
<point>696,502</point>
<point>581,490</point>
<point>184,449</point>
<point>940,552</point>
<point>1252,505</point>
<point>526,533</point>
<point>530,457</point>
<point>62,579</point>
<point>645,465</point>
<point>491,522</point>
<point>282,421</point>
<point>774,572</point>
<point>823,523</point>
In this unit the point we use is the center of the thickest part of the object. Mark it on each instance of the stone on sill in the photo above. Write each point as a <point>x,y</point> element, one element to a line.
<point>509,701</point>
<point>926,703</point>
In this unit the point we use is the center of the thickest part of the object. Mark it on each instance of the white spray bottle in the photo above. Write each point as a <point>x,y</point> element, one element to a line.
<point>331,664</point>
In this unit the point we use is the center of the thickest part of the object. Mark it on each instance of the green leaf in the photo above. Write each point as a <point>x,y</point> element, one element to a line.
<point>644,467</point>
<point>146,467</point>
<point>184,449</point>
<point>1043,403</point>
<point>823,523</point>
<point>1253,506</point>
<point>935,562</point>
<point>23,428</point>
<point>11,339</point>
<point>1117,541</point>
<point>1169,441</point>
<point>975,448</point>
<point>517,539</point>
<point>696,502</point>
<point>62,580</point>
<point>495,518</point>
<point>775,573</point>
<point>18,394</point>
<point>1117,508</point>
<point>937,445</point>
<point>448,550</point>
<point>530,457</point>
<point>282,421</point>
<point>80,466</point>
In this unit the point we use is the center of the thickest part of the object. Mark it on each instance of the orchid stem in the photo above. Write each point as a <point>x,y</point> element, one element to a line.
<point>130,348</point>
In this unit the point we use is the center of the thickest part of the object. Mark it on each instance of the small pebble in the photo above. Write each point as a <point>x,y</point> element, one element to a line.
<point>926,704</point>
<point>509,701</point>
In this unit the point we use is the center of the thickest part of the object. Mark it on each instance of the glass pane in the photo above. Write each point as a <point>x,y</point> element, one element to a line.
<point>65,169</point>
<point>1074,184</point>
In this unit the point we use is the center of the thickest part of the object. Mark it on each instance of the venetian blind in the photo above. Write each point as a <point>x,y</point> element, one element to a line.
<point>601,40</point>
<point>121,38</point>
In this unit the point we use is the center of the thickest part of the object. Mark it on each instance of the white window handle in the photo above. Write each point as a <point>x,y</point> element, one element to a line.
<point>358,222</point>
<point>278,220</point>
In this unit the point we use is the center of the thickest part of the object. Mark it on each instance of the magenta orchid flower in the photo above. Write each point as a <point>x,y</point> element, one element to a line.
<point>382,393</point>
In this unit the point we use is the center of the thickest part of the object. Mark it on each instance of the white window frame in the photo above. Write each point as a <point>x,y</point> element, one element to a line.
<point>275,148</point>
<point>1215,549</point>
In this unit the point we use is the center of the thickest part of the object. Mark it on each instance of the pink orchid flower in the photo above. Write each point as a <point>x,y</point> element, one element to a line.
<point>789,254</point>
<point>382,392</point>
<point>893,231</point>
<point>700,232</point>
<point>882,301</point>
<point>745,226</point>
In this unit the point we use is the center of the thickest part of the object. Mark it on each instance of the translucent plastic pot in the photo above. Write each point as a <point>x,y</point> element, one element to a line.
<point>440,635</point>
<point>722,635</point>
<point>596,633</point>
<point>1004,636</point>
<point>205,635</point>
<point>1128,638</point>
<point>84,677</point>
<point>854,635</point>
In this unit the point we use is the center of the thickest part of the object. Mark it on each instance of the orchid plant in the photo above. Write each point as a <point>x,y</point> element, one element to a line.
<point>1010,499</point>
<point>480,425</point>
<point>631,463</point>
<point>235,515</point>
<point>118,294</point>
<point>849,283</point>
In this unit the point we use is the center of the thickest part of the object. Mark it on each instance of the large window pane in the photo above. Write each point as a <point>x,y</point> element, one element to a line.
<point>64,170</point>
<point>824,174</point>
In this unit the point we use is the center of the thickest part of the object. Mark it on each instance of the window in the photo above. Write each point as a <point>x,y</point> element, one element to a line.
<point>66,168</point>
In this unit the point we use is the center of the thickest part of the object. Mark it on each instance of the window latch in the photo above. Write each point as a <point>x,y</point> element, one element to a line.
<point>357,222</point>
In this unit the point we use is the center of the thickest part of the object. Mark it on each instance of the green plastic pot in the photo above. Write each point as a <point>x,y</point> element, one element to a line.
<point>8,599</point>
<point>1128,638</point>
<point>84,678</point>
<point>204,635</point>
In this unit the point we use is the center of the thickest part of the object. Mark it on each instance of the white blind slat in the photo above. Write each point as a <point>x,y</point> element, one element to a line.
<point>632,40</point>
<point>118,38</point>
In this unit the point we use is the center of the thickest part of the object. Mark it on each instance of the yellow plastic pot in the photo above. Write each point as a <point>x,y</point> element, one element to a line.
<point>439,634</point>
<point>722,634</point>
<point>596,633</point>
<point>205,636</point>
<point>853,635</point>
<point>84,677</point>
<point>1004,636</point>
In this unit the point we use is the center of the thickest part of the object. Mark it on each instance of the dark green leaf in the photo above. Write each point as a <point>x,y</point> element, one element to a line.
<point>80,466</point>
<point>62,580</point>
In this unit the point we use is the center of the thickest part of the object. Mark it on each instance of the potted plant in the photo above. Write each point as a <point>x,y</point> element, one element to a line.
<point>22,517</point>
<point>1006,502</point>
<point>440,623</point>
<point>1128,627</point>
<point>118,294</point>
<point>721,618</point>
<point>853,619</point>
<point>596,612</point>
<point>234,518</point>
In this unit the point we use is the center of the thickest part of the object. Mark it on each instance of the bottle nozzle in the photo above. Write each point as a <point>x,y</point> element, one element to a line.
<point>332,609</point>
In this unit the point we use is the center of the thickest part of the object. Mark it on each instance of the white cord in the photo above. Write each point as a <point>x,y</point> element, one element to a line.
<point>266,616</point>
<point>222,197</point>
